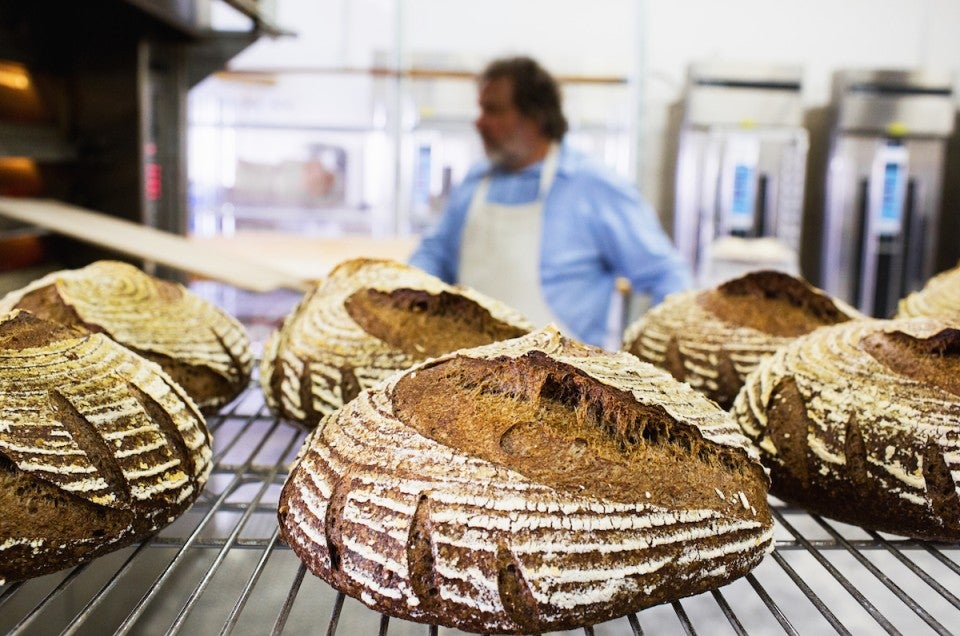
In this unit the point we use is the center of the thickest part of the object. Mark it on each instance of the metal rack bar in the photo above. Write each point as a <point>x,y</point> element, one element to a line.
<point>23,624</point>
<point>728,613</point>
<point>288,603</point>
<point>771,605</point>
<point>684,619</point>
<point>883,578</point>
<point>919,572</point>
<point>335,617</point>
<point>234,617</point>
<point>87,609</point>
<point>813,596</point>
<point>231,540</point>
<point>847,585</point>
<point>128,624</point>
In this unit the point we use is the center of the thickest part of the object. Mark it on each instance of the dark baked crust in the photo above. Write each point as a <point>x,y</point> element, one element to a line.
<point>531,485</point>
<point>861,422</point>
<point>203,348</point>
<point>713,338</point>
<point>367,320</point>
<point>99,448</point>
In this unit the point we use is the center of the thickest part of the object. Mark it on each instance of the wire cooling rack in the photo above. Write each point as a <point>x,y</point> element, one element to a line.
<point>221,569</point>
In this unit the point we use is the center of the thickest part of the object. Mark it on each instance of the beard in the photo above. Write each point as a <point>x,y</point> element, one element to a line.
<point>492,150</point>
<point>501,155</point>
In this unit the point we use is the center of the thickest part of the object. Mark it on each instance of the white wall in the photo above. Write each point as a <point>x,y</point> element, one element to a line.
<point>569,36</point>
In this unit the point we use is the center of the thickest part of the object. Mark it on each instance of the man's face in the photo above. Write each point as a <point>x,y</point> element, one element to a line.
<point>507,135</point>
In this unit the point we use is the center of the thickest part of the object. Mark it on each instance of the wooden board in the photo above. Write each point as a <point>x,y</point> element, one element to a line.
<point>150,244</point>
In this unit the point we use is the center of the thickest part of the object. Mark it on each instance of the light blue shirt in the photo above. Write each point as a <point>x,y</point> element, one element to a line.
<point>596,227</point>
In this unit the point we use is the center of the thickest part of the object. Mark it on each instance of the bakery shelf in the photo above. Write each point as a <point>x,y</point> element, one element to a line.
<point>220,569</point>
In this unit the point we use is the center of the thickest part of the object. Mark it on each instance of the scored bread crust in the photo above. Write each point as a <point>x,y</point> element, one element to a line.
<point>861,422</point>
<point>322,356</point>
<point>402,505</point>
<point>939,298</point>
<point>98,446</point>
<point>713,338</point>
<point>202,347</point>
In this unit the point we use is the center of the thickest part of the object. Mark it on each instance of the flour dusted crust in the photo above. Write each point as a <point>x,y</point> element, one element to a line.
<point>713,338</point>
<point>939,298</point>
<point>526,486</point>
<point>200,346</point>
<point>861,422</point>
<point>368,319</point>
<point>98,447</point>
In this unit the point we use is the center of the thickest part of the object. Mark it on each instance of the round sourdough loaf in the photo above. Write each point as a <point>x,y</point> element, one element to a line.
<point>203,348</point>
<point>525,486</point>
<point>368,319</point>
<point>98,447</point>
<point>939,298</point>
<point>861,422</point>
<point>713,338</point>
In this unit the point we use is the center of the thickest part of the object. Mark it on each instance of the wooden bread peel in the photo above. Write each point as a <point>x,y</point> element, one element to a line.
<point>149,243</point>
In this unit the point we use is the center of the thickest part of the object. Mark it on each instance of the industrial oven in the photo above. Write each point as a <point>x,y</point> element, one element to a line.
<point>740,169</point>
<point>92,112</point>
<point>883,179</point>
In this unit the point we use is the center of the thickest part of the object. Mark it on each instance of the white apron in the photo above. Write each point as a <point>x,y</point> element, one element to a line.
<point>500,249</point>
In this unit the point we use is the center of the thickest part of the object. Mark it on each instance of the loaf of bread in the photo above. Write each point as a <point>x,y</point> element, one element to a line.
<point>939,298</point>
<point>202,347</point>
<point>713,338</point>
<point>368,319</point>
<point>861,422</point>
<point>98,447</point>
<point>530,485</point>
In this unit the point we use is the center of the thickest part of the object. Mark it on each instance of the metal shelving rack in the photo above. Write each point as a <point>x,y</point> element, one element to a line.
<point>220,568</point>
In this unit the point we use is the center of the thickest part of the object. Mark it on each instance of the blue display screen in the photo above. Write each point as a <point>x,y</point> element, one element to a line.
<point>742,203</point>
<point>890,211</point>
<point>890,214</point>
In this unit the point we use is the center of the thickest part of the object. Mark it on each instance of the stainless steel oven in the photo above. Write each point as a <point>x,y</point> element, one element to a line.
<point>883,181</point>
<point>92,112</point>
<point>740,169</point>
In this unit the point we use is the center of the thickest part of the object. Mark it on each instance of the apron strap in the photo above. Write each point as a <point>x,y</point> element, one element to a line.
<point>502,244</point>
<point>549,170</point>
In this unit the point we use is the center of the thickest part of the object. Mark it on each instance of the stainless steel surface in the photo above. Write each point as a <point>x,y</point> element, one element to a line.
<point>221,569</point>
<point>883,184</point>
<point>741,161</point>
<point>916,103</point>
<point>730,94</point>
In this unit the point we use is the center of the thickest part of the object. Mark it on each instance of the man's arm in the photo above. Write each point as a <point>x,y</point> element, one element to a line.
<point>635,244</point>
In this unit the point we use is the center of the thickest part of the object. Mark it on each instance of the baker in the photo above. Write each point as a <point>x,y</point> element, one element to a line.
<point>538,224</point>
